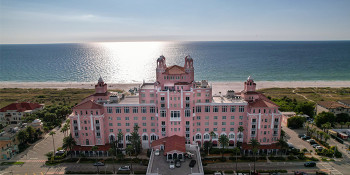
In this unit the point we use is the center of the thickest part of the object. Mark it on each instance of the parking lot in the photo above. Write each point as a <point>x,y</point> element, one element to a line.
<point>161,166</point>
<point>292,137</point>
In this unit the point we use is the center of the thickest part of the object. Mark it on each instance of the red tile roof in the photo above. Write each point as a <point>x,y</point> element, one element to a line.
<point>262,102</point>
<point>171,143</point>
<point>20,107</point>
<point>271,146</point>
<point>88,148</point>
<point>175,69</point>
<point>88,105</point>
<point>331,104</point>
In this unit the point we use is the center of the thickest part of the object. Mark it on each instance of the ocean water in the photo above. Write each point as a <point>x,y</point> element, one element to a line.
<point>129,62</point>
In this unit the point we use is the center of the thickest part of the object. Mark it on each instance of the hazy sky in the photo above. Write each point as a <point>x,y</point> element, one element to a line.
<point>181,20</point>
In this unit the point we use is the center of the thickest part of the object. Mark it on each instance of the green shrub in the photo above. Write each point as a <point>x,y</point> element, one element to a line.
<point>223,159</point>
<point>291,157</point>
<point>140,172</point>
<point>228,171</point>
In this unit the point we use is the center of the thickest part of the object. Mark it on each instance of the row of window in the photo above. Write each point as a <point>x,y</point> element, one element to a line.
<point>134,110</point>
<point>128,118</point>
<point>216,117</point>
<point>216,109</point>
<point>128,130</point>
<point>264,111</point>
<point>128,124</point>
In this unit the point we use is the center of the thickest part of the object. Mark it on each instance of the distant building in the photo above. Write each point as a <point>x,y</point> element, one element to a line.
<point>333,107</point>
<point>9,142</point>
<point>286,116</point>
<point>14,113</point>
<point>344,102</point>
<point>37,124</point>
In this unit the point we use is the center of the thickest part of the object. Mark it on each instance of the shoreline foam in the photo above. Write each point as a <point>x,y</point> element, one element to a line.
<point>217,86</point>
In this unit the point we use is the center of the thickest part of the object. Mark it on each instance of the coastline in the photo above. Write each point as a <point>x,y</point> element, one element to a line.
<point>217,86</point>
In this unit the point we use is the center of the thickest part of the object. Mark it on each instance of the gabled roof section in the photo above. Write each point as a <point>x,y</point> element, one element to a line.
<point>331,104</point>
<point>171,143</point>
<point>88,105</point>
<point>263,102</point>
<point>175,69</point>
<point>20,107</point>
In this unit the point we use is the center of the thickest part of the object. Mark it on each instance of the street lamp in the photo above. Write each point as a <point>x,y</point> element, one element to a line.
<point>250,170</point>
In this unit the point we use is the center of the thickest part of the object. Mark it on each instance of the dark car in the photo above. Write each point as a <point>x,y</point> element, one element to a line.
<point>310,164</point>
<point>306,137</point>
<point>192,163</point>
<point>99,164</point>
<point>178,163</point>
<point>299,173</point>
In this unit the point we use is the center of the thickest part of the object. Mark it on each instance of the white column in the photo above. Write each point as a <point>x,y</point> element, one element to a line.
<point>259,120</point>
<point>79,122</point>
<point>272,120</point>
<point>168,98</point>
<point>182,100</point>
<point>91,122</point>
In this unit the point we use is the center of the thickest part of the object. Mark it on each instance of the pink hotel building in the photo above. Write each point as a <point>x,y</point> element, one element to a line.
<point>176,105</point>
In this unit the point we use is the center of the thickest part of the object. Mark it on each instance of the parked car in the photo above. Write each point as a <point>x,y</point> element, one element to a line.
<point>299,173</point>
<point>275,173</point>
<point>315,145</point>
<point>124,168</point>
<point>320,148</point>
<point>172,165</point>
<point>189,155</point>
<point>306,137</point>
<point>310,164</point>
<point>178,163</point>
<point>156,152</point>
<point>99,164</point>
<point>60,152</point>
<point>217,173</point>
<point>310,140</point>
<point>192,163</point>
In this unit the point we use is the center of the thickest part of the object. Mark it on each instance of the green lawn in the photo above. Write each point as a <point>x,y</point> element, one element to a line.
<point>12,163</point>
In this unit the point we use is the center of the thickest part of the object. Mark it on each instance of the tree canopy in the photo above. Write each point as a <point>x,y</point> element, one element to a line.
<point>296,122</point>
<point>324,117</point>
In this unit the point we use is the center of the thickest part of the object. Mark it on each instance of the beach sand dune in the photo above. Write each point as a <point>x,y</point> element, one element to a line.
<point>217,86</point>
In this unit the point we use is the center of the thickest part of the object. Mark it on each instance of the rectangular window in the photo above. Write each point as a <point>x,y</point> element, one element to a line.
<point>232,117</point>
<point>215,117</point>
<point>143,95</point>
<point>206,123</point>
<point>224,108</point>
<point>110,124</point>
<point>143,118</point>
<point>135,110</point>
<point>110,130</point>
<point>152,110</point>
<point>206,129</point>
<point>198,94</point>
<point>223,129</point>
<point>127,124</point>
<point>207,108</point>
<point>232,129</point>
<point>240,123</point>
<point>215,123</point>
<point>175,114</point>
<point>151,95</point>
<point>223,123</point>
<point>136,118</point>
<point>143,109</point>
<point>233,108</point>
<point>119,118</point>
<point>144,124</point>
<point>198,109</point>
<point>119,124</point>
<point>118,110</point>
<point>163,113</point>
<point>241,117</point>
<point>215,129</point>
<point>232,123</point>
<point>109,109</point>
<point>241,108</point>
<point>198,123</point>
<point>126,118</point>
<point>75,121</point>
<point>224,117</point>
<point>126,110</point>
<point>215,109</point>
<point>187,113</point>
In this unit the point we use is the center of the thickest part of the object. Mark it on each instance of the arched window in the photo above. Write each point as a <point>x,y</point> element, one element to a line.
<point>264,139</point>
<point>87,142</point>
<point>231,136</point>
<point>153,137</point>
<point>198,136</point>
<point>127,138</point>
<point>206,136</point>
<point>111,138</point>
<point>144,137</point>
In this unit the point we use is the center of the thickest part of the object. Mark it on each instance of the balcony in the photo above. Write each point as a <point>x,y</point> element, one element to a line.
<point>253,123</point>
<point>253,129</point>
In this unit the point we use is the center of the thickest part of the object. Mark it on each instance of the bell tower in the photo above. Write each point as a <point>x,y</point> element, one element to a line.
<point>100,87</point>
<point>249,85</point>
<point>189,67</point>
<point>161,66</point>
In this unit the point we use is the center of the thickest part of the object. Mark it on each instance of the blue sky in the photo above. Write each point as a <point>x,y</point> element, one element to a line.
<point>181,20</point>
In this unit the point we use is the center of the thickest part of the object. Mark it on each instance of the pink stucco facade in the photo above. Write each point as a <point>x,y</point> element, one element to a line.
<point>175,104</point>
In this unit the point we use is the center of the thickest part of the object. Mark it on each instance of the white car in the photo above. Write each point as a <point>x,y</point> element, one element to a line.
<point>172,165</point>
<point>124,168</point>
<point>156,152</point>
<point>319,147</point>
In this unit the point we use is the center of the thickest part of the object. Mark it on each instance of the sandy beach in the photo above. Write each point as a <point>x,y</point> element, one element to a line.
<point>217,86</point>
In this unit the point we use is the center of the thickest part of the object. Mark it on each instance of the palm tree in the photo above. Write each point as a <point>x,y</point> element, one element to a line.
<point>64,129</point>
<point>326,137</point>
<point>348,124</point>
<point>255,147</point>
<point>236,150</point>
<point>312,131</point>
<point>317,134</point>
<point>223,139</point>
<point>22,136</point>
<point>69,143</point>
<point>120,140</point>
<point>307,127</point>
<point>322,134</point>
<point>53,141</point>
<point>328,126</point>
<point>283,134</point>
<point>282,144</point>
<point>94,149</point>
<point>240,130</point>
<point>212,134</point>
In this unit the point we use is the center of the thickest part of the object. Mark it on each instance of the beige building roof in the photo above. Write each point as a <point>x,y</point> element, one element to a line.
<point>331,104</point>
